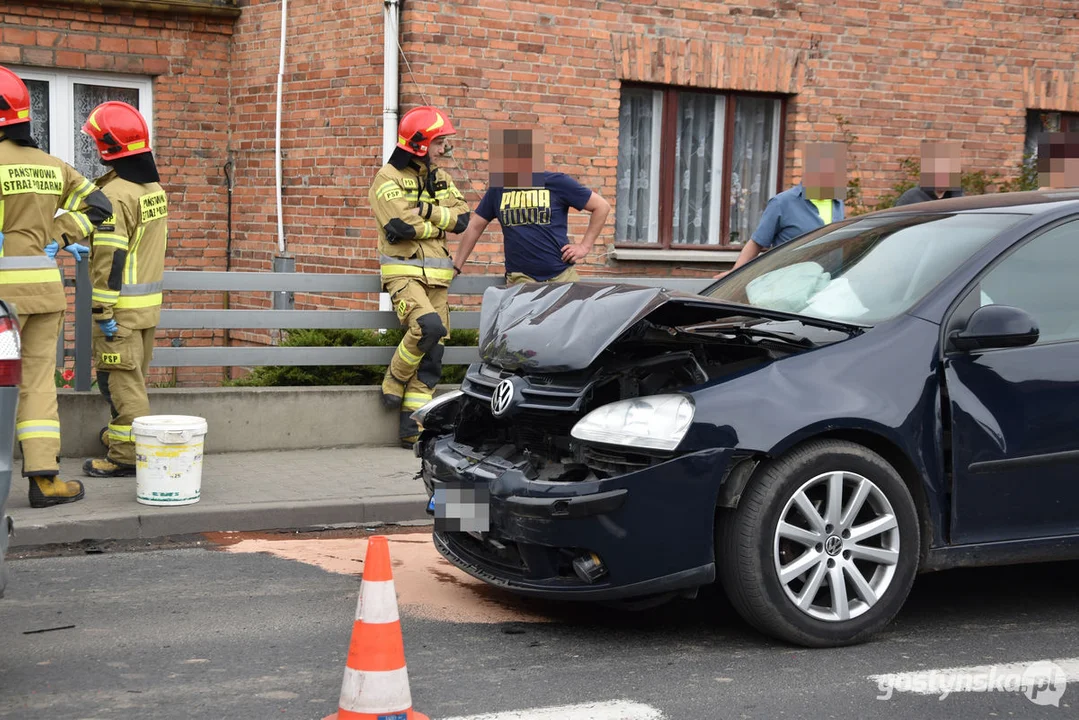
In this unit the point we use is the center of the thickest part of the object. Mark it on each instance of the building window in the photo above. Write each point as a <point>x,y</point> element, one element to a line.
<point>695,169</point>
<point>60,103</point>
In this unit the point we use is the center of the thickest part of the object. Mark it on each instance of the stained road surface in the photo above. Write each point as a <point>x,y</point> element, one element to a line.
<point>259,629</point>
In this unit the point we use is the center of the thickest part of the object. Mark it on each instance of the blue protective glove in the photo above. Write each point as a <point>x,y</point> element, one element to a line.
<point>108,327</point>
<point>1,242</point>
<point>51,249</point>
<point>79,251</point>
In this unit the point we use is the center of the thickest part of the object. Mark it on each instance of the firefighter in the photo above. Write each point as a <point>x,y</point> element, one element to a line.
<point>34,186</point>
<point>416,204</point>
<point>127,263</point>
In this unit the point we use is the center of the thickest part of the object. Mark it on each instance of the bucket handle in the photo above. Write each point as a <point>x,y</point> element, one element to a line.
<point>170,437</point>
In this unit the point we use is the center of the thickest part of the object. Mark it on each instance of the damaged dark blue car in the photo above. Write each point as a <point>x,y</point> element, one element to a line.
<point>892,394</point>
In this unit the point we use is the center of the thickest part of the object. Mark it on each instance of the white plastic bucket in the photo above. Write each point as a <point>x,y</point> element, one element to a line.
<point>168,459</point>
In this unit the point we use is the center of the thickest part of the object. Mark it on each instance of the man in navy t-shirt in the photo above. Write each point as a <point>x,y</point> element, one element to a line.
<point>532,206</point>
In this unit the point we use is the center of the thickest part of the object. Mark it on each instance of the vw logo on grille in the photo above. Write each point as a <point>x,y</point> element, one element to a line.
<point>833,545</point>
<point>502,398</point>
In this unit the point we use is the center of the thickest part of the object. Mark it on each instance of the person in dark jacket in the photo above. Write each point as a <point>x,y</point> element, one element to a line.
<point>940,176</point>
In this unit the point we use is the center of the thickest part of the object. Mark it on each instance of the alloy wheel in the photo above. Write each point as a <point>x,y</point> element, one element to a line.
<point>836,546</point>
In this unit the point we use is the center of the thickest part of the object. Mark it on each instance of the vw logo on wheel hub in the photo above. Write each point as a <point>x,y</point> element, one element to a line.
<point>833,545</point>
<point>502,398</point>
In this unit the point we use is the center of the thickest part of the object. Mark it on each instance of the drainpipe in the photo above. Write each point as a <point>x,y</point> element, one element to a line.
<point>390,85</point>
<point>282,262</point>
<point>390,79</point>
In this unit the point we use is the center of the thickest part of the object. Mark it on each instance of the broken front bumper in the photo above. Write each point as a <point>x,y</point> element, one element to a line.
<point>646,532</point>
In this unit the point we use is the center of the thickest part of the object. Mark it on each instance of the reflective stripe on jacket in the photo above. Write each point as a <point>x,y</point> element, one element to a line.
<point>34,187</point>
<point>127,260</point>
<point>411,243</point>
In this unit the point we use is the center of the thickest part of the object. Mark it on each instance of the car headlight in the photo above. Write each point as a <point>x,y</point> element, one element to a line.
<point>420,415</point>
<point>654,422</point>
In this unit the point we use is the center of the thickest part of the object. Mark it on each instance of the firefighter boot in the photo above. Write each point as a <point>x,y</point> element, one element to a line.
<point>103,467</point>
<point>393,391</point>
<point>103,436</point>
<point>409,431</point>
<point>51,490</point>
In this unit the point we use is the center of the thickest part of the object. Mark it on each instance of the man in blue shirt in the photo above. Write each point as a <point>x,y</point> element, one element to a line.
<point>809,205</point>
<point>532,206</point>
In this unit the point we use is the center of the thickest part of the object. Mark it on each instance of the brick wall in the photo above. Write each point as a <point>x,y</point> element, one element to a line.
<point>331,140</point>
<point>188,58</point>
<point>898,72</point>
<point>947,69</point>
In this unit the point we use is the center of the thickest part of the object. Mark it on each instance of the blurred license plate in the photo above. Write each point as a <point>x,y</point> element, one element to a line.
<point>461,508</point>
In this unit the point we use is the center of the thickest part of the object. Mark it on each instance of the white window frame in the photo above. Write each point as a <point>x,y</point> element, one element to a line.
<point>62,102</point>
<point>657,152</point>
<point>777,120</point>
<point>719,142</point>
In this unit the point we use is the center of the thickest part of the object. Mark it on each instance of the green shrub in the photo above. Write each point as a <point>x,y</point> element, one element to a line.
<point>289,375</point>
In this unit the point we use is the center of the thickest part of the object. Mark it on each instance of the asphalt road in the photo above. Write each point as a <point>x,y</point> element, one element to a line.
<point>198,633</point>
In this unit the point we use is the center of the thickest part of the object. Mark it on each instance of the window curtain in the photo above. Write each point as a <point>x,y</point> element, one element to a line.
<point>87,97</point>
<point>636,218</point>
<point>39,112</point>
<point>752,179</point>
<point>695,174</point>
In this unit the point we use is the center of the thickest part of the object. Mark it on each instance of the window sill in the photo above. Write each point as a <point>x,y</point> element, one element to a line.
<point>680,256</point>
<point>221,8</point>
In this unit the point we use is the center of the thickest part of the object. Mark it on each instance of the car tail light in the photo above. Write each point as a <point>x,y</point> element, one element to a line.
<point>10,352</point>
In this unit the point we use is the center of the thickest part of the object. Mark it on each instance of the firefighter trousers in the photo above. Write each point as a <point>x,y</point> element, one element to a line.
<point>37,422</point>
<point>416,366</point>
<point>122,366</point>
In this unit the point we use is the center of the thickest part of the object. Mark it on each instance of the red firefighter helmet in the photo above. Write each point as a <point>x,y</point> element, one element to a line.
<point>118,129</point>
<point>14,99</point>
<point>419,126</point>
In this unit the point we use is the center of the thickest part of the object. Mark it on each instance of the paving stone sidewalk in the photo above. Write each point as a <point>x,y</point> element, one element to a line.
<point>301,489</point>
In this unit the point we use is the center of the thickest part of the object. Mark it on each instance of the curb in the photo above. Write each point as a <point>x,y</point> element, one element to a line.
<point>147,522</point>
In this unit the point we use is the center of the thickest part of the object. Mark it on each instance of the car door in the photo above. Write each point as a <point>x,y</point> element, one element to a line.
<point>1014,411</point>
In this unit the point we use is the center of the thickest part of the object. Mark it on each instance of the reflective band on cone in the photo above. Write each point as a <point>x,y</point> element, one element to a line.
<point>375,686</point>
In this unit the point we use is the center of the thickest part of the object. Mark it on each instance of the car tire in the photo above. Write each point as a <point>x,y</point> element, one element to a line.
<point>758,560</point>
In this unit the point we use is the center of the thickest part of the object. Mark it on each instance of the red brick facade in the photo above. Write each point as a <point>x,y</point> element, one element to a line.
<point>188,57</point>
<point>962,70</point>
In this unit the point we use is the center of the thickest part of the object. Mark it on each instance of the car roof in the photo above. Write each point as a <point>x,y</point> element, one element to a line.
<point>1029,203</point>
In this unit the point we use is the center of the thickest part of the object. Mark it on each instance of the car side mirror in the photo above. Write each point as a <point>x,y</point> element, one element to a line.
<point>996,326</point>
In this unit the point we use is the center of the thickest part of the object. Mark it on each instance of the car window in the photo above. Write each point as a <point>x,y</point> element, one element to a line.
<point>865,271</point>
<point>1041,277</point>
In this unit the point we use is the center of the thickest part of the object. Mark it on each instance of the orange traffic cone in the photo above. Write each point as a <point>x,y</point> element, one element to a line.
<point>376,678</point>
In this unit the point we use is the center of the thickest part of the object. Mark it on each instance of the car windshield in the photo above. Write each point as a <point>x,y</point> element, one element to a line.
<point>864,271</point>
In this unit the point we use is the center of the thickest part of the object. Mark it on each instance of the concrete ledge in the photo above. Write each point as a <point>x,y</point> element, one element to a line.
<point>248,419</point>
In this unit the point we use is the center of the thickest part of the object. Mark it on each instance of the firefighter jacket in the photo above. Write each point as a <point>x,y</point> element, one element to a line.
<point>33,187</point>
<point>412,244</point>
<point>127,260</point>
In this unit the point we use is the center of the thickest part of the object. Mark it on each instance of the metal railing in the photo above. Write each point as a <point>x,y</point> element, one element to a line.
<point>283,285</point>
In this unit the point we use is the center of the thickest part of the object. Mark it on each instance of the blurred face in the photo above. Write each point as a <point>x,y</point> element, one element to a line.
<point>825,176</point>
<point>439,147</point>
<point>1058,160</point>
<point>516,156</point>
<point>941,167</point>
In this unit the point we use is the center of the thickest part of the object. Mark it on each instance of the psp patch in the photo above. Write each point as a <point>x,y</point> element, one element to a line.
<point>110,358</point>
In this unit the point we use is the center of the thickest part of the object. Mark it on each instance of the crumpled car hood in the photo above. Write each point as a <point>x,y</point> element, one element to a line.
<point>561,327</point>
